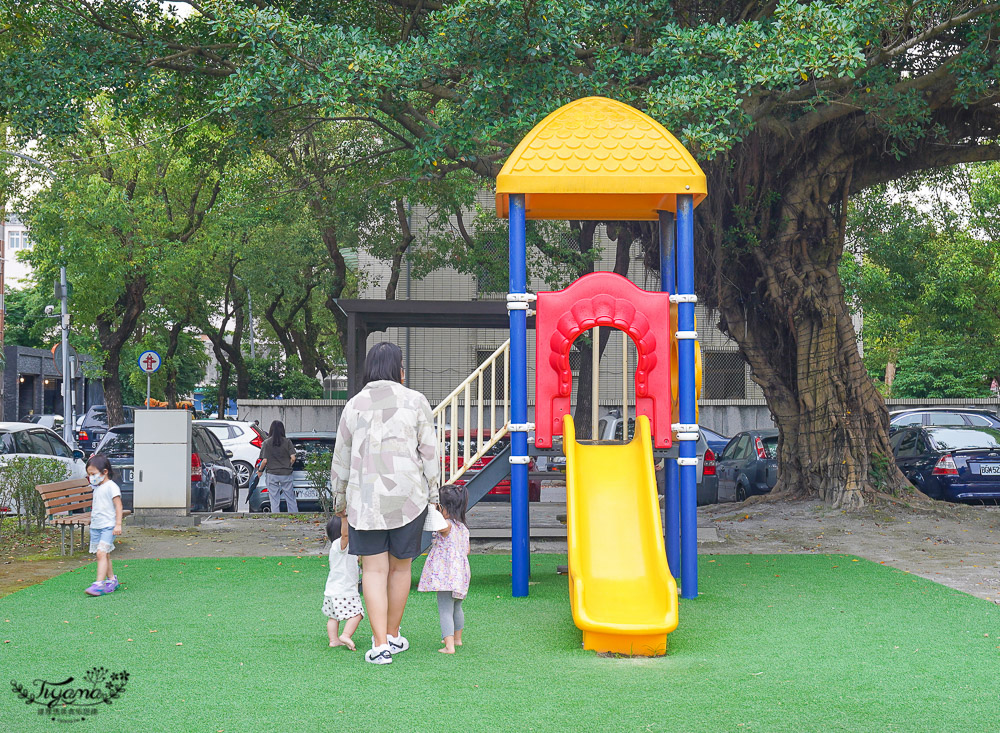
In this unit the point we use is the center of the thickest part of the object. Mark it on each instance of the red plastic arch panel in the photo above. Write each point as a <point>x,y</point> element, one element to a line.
<point>601,299</point>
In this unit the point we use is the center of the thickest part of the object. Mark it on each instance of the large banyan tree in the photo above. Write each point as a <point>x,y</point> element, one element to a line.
<point>791,108</point>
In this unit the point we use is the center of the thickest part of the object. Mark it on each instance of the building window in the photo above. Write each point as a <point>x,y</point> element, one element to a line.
<point>25,241</point>
<point>724,376</point>
<point>14,240</point>
<point>575,358</point>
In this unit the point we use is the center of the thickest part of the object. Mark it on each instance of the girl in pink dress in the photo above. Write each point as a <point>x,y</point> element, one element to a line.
<point>447,568</point>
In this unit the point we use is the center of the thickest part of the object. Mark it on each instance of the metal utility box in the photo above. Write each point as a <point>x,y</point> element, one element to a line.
<point>163,460</point>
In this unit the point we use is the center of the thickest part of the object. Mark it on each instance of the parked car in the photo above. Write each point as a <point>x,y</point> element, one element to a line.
<point>943,416</point>
<point>244,439</point>
<point>954,463</point>
<point>213,478</point>
<point>716,441</point>
<point>306,494</point>
<point>501,492</point>
<point>748,465</point>
<point>94,425</point>
<point>21,439</point>
<point>52,422</point>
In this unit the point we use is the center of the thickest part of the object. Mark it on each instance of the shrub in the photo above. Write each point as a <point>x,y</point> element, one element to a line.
<point>318,473</point>
<point>18,478</point>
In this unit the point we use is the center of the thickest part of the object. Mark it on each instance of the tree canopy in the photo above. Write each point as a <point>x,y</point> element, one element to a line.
<point>792,108</point>
<point>923,268</point>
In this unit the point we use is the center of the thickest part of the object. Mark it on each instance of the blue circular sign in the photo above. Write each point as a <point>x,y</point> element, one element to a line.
<point>149,362</point>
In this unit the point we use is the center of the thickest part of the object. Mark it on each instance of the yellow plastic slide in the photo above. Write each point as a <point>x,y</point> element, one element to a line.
<point>621,592</point>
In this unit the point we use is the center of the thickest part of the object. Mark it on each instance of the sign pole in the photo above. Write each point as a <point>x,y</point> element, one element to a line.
<point>148,378</point>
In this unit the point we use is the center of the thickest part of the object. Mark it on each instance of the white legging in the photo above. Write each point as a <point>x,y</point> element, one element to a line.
<point>450,611</point>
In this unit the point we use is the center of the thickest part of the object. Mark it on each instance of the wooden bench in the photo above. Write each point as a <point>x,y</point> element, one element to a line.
<point>61,500</point>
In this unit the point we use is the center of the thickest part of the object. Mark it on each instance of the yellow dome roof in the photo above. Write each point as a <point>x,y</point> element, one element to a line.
<point>596,158</point>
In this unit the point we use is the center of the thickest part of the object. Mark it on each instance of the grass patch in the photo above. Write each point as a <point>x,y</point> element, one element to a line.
<point>774,643</point>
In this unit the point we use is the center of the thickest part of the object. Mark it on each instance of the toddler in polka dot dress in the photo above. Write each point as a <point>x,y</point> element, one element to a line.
<point>341,601</point>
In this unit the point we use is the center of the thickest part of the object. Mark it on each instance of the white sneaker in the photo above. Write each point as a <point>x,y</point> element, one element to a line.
<point>379,655</point>
<point>397,644</point>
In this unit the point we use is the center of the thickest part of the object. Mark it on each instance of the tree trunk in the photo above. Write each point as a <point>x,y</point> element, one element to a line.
<point>112,384</point>
<point>218,339</point>
<point>405,240</point>
<point>308,345</point>
<point>329,235</point>
<point>822,400</point>
<point>305,352</point>
<point>890,376</point>
<point>280,328</point>
<point>782,301</point>
<point>235,352</point>
<point>127,311</point>
<point>223,395</point>
<point>171,367</point>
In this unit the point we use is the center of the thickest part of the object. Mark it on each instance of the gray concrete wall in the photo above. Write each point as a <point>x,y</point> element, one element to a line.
<point>297,415</point>
<point>734,417</point>
<point>723,416</point>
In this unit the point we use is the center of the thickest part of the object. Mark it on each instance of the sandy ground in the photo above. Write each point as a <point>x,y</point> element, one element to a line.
<point>953,545</point>
<point>958,546</point>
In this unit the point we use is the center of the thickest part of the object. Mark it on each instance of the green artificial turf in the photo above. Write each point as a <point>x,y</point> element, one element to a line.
<point>774,643</point>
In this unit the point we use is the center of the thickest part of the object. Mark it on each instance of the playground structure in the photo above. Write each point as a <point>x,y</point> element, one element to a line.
<point>593,159</point>
<point>599,159</point>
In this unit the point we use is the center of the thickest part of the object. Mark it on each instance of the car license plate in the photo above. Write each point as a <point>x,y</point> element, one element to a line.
<point>127,476</point>
<point>306,494</point>
<point>989,469</point>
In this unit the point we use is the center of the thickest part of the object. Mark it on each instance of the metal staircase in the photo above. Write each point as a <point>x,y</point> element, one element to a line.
<point>456,431</point>
<point>486,394</point>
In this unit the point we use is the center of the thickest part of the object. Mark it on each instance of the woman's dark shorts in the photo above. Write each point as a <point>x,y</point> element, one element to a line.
<point>403,543</point>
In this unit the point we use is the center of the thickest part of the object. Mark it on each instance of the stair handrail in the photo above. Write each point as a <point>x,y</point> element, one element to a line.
<point>452,424</point>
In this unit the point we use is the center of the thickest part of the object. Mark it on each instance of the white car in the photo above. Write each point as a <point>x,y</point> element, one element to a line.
<point>25,439</point>
<point>244,439</point>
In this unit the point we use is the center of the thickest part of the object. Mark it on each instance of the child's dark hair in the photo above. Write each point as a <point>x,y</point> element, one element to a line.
<point>102,464</point>
<point>333,529</point>
<point>454,500</point>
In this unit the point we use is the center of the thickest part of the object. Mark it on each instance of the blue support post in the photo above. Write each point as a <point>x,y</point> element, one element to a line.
<point>671,501</point>
<point>517,310</point>
<point>688,460</point>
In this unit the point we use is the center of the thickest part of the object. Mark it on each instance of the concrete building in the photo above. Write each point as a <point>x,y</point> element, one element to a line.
<point>33,385</point>
<point>16,238</point>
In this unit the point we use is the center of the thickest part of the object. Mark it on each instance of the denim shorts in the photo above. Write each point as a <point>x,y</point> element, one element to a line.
<point>102,539</point>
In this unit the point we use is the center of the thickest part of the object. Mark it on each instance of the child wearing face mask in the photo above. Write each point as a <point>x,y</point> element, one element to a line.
<point>105,523</point>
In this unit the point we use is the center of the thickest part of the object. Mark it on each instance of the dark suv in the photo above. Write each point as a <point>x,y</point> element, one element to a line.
<point>95,424</point>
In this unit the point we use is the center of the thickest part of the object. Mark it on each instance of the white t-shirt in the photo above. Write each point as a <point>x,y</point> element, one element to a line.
<point>102,514</point>
<point>343,577</point>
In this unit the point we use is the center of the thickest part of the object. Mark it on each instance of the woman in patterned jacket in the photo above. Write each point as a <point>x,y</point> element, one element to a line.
<point>384,474</point>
